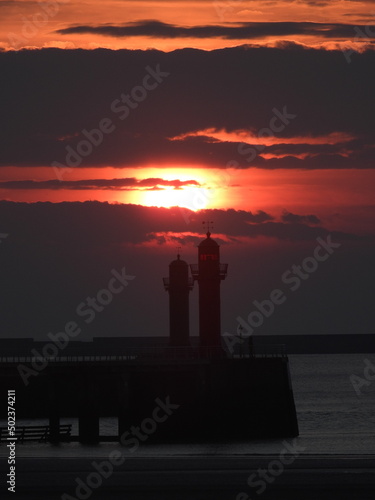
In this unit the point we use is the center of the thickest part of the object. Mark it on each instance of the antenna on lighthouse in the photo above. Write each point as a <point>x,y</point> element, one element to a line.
<point>209,224</point>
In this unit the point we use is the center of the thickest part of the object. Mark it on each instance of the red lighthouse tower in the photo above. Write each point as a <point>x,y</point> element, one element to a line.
<point>178,284</point>
<point>209,272</point>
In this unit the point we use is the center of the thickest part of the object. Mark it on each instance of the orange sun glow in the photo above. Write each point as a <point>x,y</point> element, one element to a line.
<point>203,192</point>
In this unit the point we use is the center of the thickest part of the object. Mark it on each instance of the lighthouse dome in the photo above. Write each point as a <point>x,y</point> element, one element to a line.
<point>208,242</point>
<point>178,262</point>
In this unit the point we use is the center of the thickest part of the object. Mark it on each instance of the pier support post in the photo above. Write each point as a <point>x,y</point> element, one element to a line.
<point>88,420</point>
<point>53,410</point>
<point>123,397</point>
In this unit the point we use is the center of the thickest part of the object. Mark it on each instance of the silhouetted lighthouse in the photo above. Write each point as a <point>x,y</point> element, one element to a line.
<point>209,272</point>
<point>178,284</point>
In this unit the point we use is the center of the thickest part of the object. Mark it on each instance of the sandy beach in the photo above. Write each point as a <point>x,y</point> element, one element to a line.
<point>194,477</point>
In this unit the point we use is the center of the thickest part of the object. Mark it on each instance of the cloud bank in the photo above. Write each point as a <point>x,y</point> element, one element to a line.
<point>50,97</point>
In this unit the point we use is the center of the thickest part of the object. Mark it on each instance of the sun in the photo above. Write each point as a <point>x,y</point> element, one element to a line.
<point>191,197</point>
<point>177,187</point>
<point>194,188</point>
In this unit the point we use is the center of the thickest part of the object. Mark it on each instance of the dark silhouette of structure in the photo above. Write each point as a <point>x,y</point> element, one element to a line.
<point>209,272</point>
<point>219,395</point>
<point>178,284</point>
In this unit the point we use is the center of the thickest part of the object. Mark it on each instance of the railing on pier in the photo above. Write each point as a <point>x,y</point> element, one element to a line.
<point>143,354</point>
<point>133,354</point>
<point>40,433</point>
<point>262,351</point>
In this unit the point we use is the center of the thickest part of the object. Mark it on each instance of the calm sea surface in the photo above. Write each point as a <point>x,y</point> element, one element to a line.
<point>333,419</point>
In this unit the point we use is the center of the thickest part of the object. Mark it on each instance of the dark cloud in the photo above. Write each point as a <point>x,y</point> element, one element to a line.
<point>12,3</point>
<point>59,222</point>
<point>283,155</point>
<point>109,184</point>
<point>304,219</point>
<point>242,31</point>
<point>50,97</point>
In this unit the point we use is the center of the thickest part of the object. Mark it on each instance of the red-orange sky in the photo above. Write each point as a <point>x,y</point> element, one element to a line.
<point>303,180</point>
<point>164,25</point>
<point>36,24</point>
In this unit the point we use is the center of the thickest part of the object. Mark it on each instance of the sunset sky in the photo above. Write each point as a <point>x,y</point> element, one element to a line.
<point>258,115</point>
